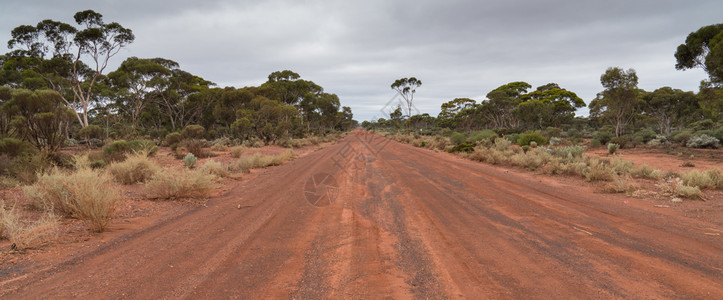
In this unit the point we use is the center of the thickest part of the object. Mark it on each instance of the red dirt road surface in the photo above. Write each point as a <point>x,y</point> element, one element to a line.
<point>391,220</point>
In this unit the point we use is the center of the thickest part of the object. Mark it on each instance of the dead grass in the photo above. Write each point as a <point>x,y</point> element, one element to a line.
<point>136,168</point>
<point>215,168</point>
<point>709,179</point>
<point>27,234</point>
<point>180,184</point>
<point>237,151</point>
<point>246,163</point>
<point>85,194</point>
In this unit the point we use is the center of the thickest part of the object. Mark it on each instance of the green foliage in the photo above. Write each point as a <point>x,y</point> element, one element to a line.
<point>189,160</point>
<point>481,135</point>
<point>531,136</point>
<point>603,136</point>
<point>458,138</point>
<point>645,135</point>
<point>39,117</point>
<point>623,141</point>
<point>118,150</point>
<point>173,139</point>
<point>682,137</point>
<point>193,132</point>
<point>91,131</point>
<point>197,147</point>
<point>703,48</point>
<point>14,147</point>
<point>612,148</point>
<point>703,141</point>
<point>462,147</point>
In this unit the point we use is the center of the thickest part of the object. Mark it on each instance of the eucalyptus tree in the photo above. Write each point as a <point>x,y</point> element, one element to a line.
<point>548,105</point>
<point>501,102</point>
<point>703,48</point>
<point>670,108</point>
<point>69,59</point>
<point>619,103</point>
<point>406,88</point>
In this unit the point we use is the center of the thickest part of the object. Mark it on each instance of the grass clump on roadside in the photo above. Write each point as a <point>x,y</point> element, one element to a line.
<point>246,163</point>
<point>25,234</point>
<point>709,179</point>
<point>181,184</point>
<point>215,168</point>
<point>136,168</point>
<point>237,151</point>
<point>84,194</point>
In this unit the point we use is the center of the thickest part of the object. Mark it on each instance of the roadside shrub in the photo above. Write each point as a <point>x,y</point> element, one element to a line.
<point>482,135</point>
<point>246,163</point>
<point>531,136</point>
<point>193,132</point>
<point>687,191</point>
<point>219,148</point>
<point>646,172</point>
<point>621,141</point>
<point>118,150</point>
<point>644,135</point>
<point>197,147</point>
<point>555,141</point>
<point>551,132</point>
<point>189,161</point>
<point>703,141</point>
<point>703,124</point>
<point>525,148</point>
<point>136,168</point>
<point>24,234</point>
<point>458,138</point>
<point>182,184</point>
<point>84,194</point>
<point>462,147</point>
<point>612,148</point>
<point>597,171</point>
<point>91,132</point>
<point>709,179</point>
<point>173,139</point>
<point>568,152</point>
<point>595,143</point>
<point>603,136</point>
<point>215,168</point>
<point>533,144</point>
<point>718,133</point>
<point>682,137</point>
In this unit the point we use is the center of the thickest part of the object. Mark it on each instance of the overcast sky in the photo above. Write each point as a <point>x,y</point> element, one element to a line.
<point>356,49</point>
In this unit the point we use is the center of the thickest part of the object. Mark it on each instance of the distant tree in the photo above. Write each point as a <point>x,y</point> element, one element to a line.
<point>136,81</point>
<point>289,88</point>
<point>548,105</point>
<point>407,87</point>
<point>669,107</point>
<point>450,116</point>
<point>501,102</point>
<point>39,117</point>
<point>703,48</point>
<point>619,102</point>
<point>56,51</point>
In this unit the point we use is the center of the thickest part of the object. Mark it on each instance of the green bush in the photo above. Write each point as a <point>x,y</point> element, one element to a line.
<point>458,138</point>
<point>482,135</point>
<point>644,135</point>
<point>622,141</point>
<point>703,124</point>
<point>612,148</point>
<point>595,143</point>
<point>173,139</point>
<point>718,133</point>
<point>553,132</point>
<point>703,141</point>
<point>197,147</point>
<point>603,136</point>
<point>190,160</point>
<point>530,136</point>
<point>91,131</point>
<point>463,147</point>
<point>682,136</point>
<point>193,132</point>
<point>14,147</point>
<point>118,150</point>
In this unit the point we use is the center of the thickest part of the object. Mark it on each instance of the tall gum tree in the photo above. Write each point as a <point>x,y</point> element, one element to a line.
<point>72,60</point>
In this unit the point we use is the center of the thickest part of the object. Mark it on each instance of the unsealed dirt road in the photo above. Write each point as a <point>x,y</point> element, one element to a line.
<point>402,222</point>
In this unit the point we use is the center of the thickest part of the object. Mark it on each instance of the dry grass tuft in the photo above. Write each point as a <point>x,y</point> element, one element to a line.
<point>215,168</point>
<point>84,194</point>
<point>26,234</point>
<point>246,163</point>
<point>709,179</point>
<point>237,151</point>
<point>182,184</point>
<point>136,168</point>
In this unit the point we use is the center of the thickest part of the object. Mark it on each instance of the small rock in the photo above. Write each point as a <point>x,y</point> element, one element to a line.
<point>239,206</point>
<point>676,200</point>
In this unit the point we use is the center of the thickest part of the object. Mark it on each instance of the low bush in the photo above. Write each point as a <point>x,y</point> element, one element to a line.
<point>703,141</point>
<point>173,139</point>
<point>645,171</point>
<point>462,147</point>
<point>14,147</point>
<point>644,135</point>
<point>197,147</point>
<point>687,191</point>
<point>25,234</point>
<point>118,150</point>
<point>682,137</point>
<point>531,136</point>
<point>603,136</point>
<point>481,135</point>
<point>246,163</point>
<point>612,148</point>
<point>193,132</point>
<point>85,194</point>
<point>219,148</point>
<point>622,141</point>
<point>182,184</point>
<point>595,143</point>
<point>189,160</point>
<point>136,168</point>
<point>458,138</point>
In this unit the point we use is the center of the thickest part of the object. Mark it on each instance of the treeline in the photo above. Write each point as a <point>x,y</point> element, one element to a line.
<point>54,86</point>
<point>622,112</point>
